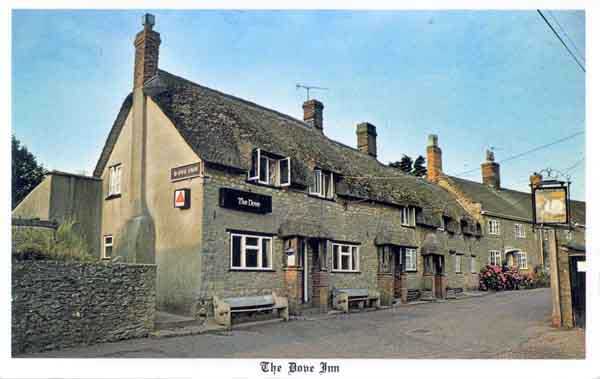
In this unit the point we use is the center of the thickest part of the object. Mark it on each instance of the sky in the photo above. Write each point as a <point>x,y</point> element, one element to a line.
<point>477,79</point>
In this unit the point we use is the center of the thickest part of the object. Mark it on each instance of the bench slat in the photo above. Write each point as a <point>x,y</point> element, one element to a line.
<point>251,301</point>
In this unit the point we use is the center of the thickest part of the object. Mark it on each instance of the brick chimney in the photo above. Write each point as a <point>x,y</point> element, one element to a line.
<point>535,179</point>
<point>490,171</point>
<point>434,159</point>
<point>366,138</point>
<point>146,45</point>
<point>313,114</point>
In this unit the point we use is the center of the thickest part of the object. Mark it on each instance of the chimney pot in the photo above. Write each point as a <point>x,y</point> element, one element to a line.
<point>366,138</point>
<point>490,171</point>
<point>146,43</point>
<point>313,114</point>
<point>434,159</point>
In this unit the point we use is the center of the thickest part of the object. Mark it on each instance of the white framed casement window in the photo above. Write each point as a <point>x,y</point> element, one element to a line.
<point>473,265</point>
<point>114,180</point>
<point>407,216</point>
<point>107,249</point>
<point>345,258</point>
<point>493,227</point>
<point>323,184</point>
<point>268,170</point>
<point>520,231</point>
<point>457,263</point>
<point>251,252</point>
<point>522,260</point>
<point>495,258</point>
<point>411,259</point>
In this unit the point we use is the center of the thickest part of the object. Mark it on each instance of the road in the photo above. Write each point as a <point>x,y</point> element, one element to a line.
<point>503,325</point>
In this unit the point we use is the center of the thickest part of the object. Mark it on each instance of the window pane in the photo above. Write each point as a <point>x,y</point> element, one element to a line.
<point>355,258</point>
<point>252,241</point>
<point>345,262</point>
<point>108,251</point>
<point>264,169</point>
<point>266,253</point>
<point>251,258</point>
<point>326,185</point>
<point>272,171</point>
<point>317,180</point>
<point>236,251</point>
<point>335,257</point>
<point>284,171</point>
<point>254,165</point>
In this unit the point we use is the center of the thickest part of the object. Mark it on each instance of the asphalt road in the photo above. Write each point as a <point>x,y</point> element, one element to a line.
<point>492,326</point>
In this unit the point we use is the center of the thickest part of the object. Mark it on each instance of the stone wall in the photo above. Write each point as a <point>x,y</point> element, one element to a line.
<point>62,304</point>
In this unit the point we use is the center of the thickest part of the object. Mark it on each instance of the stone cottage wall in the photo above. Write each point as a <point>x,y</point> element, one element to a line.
<point>62,304</point>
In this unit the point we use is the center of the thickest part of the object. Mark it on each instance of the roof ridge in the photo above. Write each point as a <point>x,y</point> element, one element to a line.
<point>286,116</point>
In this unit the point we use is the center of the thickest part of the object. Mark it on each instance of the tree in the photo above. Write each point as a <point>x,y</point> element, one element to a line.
<point>26,172</point>
<point>404,164</point>
<point>419,168</point>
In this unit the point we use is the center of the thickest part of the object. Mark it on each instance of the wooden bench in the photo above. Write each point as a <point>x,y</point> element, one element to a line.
<point>225,308</point>
<point>343,297</point>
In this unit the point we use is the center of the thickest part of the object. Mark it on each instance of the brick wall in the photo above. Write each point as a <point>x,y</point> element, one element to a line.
<point>62,304</point>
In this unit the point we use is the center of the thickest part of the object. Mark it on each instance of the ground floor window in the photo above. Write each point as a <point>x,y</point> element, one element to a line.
<point>411,259</point>
<point>457,263</point>
<point>108,247</point>
<point>251,252</point>
<point>522,260</point>
<point>345,257</point>
<point>495,258</point>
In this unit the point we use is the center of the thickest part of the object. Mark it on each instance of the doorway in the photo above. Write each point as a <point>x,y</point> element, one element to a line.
<point>438,275</point>
<point>398,255</point>
<point>577,276</point>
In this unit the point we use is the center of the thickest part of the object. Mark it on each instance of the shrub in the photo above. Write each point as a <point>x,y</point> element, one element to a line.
<point>65,244</point>
<point>491,277</point>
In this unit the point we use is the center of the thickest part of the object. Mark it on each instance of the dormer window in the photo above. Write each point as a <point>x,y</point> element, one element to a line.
<point>323,184</point>
<point>407,216</point>
<point>269,169</point>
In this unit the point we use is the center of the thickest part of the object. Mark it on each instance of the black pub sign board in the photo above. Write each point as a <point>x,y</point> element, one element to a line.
<point>244,201</point>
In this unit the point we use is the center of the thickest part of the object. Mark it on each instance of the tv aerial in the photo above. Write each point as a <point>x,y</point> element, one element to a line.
<point>308,88</point>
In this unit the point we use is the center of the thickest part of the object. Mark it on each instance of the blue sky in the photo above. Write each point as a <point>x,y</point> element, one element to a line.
<point>477,79</point>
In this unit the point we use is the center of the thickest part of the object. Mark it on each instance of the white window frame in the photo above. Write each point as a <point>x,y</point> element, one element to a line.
<point>520,231</point>
<point>522,260</point>
<point>258,249</point>
<point>318,186</point>
<point>106,244</point>
<point>493,227</point>
<point>410,259</point>
<point>114,179</point>
<point>407,216</point>
<point>497,258</point>
<point>473,264</point>
<point>457,263</point>
<point>353,254</point>
<point>256,164</point>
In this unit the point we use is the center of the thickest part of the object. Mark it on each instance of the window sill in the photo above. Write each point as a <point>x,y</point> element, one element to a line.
<point>273,186</point>
<point>345,272</point>
<point>251,270</point>
<point>408,226</point>
<point>113,196</point>
<point>411,271</point>
<point>321,197</point>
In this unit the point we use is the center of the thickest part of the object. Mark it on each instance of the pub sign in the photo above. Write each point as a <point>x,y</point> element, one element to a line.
<point>551,203</point>
<point>186,172</point>
<point>244,201</point>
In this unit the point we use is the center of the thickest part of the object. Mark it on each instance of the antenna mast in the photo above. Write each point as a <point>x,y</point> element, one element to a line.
<point>308,88</point>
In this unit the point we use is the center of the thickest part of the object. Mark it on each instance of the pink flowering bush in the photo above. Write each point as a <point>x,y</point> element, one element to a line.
<point>491,277</point>
<point>499,278</point>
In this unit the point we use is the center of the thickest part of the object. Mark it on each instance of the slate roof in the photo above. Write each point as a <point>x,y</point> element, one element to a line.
<point>223,130</point>
<point>508,202</point>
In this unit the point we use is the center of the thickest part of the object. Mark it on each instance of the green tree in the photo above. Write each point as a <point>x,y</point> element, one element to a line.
<point>419,168</point>
<point>26,172</point>
<point>405,164</point>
